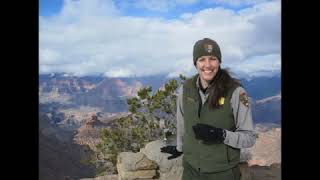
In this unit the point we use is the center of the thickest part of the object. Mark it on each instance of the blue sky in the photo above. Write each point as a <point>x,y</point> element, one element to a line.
<point>49,7</point>
<point>52,7</point>
<point>145,37</point>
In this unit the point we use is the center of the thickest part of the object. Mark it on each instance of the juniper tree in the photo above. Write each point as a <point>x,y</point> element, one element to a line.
<point>132,132</point>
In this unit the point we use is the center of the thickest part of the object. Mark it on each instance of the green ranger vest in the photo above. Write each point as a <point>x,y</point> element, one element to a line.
<point>207,157</point>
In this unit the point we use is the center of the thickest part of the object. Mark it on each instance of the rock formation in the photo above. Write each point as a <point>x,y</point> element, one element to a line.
<point>260,162</point>
<point>89,132</point>
<point>133,166</point>
<point>267,149</point>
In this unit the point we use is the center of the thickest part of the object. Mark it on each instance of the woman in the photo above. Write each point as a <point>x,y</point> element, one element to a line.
<point>214,119</point>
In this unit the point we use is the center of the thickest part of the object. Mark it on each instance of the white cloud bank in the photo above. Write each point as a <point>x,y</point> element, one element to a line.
<point>91,36</point>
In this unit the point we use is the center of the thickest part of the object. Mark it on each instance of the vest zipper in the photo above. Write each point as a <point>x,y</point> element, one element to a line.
<point>228,154</point>
<point>200,105</point>
<point>199,109</point>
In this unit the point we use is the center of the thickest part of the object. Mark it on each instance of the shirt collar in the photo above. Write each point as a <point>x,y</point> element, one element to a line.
<point>198,84</point>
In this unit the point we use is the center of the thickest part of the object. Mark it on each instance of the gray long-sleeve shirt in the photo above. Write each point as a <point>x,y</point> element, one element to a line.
<point>243,137</point>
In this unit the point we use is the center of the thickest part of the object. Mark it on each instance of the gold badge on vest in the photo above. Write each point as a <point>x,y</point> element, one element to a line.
<point>221,101</point>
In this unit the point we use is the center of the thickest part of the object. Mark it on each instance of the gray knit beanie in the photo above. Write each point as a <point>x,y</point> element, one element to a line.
<point>206,47</point>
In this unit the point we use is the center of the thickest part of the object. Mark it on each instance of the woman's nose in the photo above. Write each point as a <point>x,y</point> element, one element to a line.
<point>207,63</point>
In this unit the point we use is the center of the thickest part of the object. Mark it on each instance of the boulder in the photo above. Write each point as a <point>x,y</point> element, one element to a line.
<point>168,169</point>
<point>133,166</point>
<point>106,177</point>
<point>130,161</point>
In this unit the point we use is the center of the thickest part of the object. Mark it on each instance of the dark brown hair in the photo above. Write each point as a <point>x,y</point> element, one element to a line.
<point>222,83</point>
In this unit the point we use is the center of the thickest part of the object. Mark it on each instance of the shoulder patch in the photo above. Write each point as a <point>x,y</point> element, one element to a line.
<point>244,99</point>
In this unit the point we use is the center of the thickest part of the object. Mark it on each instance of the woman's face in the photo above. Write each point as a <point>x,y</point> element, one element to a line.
<point>207,67</point>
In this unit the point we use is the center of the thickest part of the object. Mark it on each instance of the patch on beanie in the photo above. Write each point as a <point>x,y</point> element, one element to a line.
<point>208,47</point>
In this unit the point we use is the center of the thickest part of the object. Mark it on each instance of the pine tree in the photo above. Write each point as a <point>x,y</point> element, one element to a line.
<point>131,133</point>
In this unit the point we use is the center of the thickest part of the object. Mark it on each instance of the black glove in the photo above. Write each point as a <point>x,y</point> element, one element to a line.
<point>209,133</point>
<point>171,150</point>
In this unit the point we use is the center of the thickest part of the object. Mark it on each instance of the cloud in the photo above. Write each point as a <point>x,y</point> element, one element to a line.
<point>120,72</point>
<point>91,36</point>
<point>85,8</point>
<point>236,3</point>
<point>186,2</point>
<point>270,62</point>
<point>49,56</point>
<point>155,5</point>
<point>182,66</point>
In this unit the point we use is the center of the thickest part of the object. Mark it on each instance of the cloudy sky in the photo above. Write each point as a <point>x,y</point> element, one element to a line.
<point>120,38</point>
